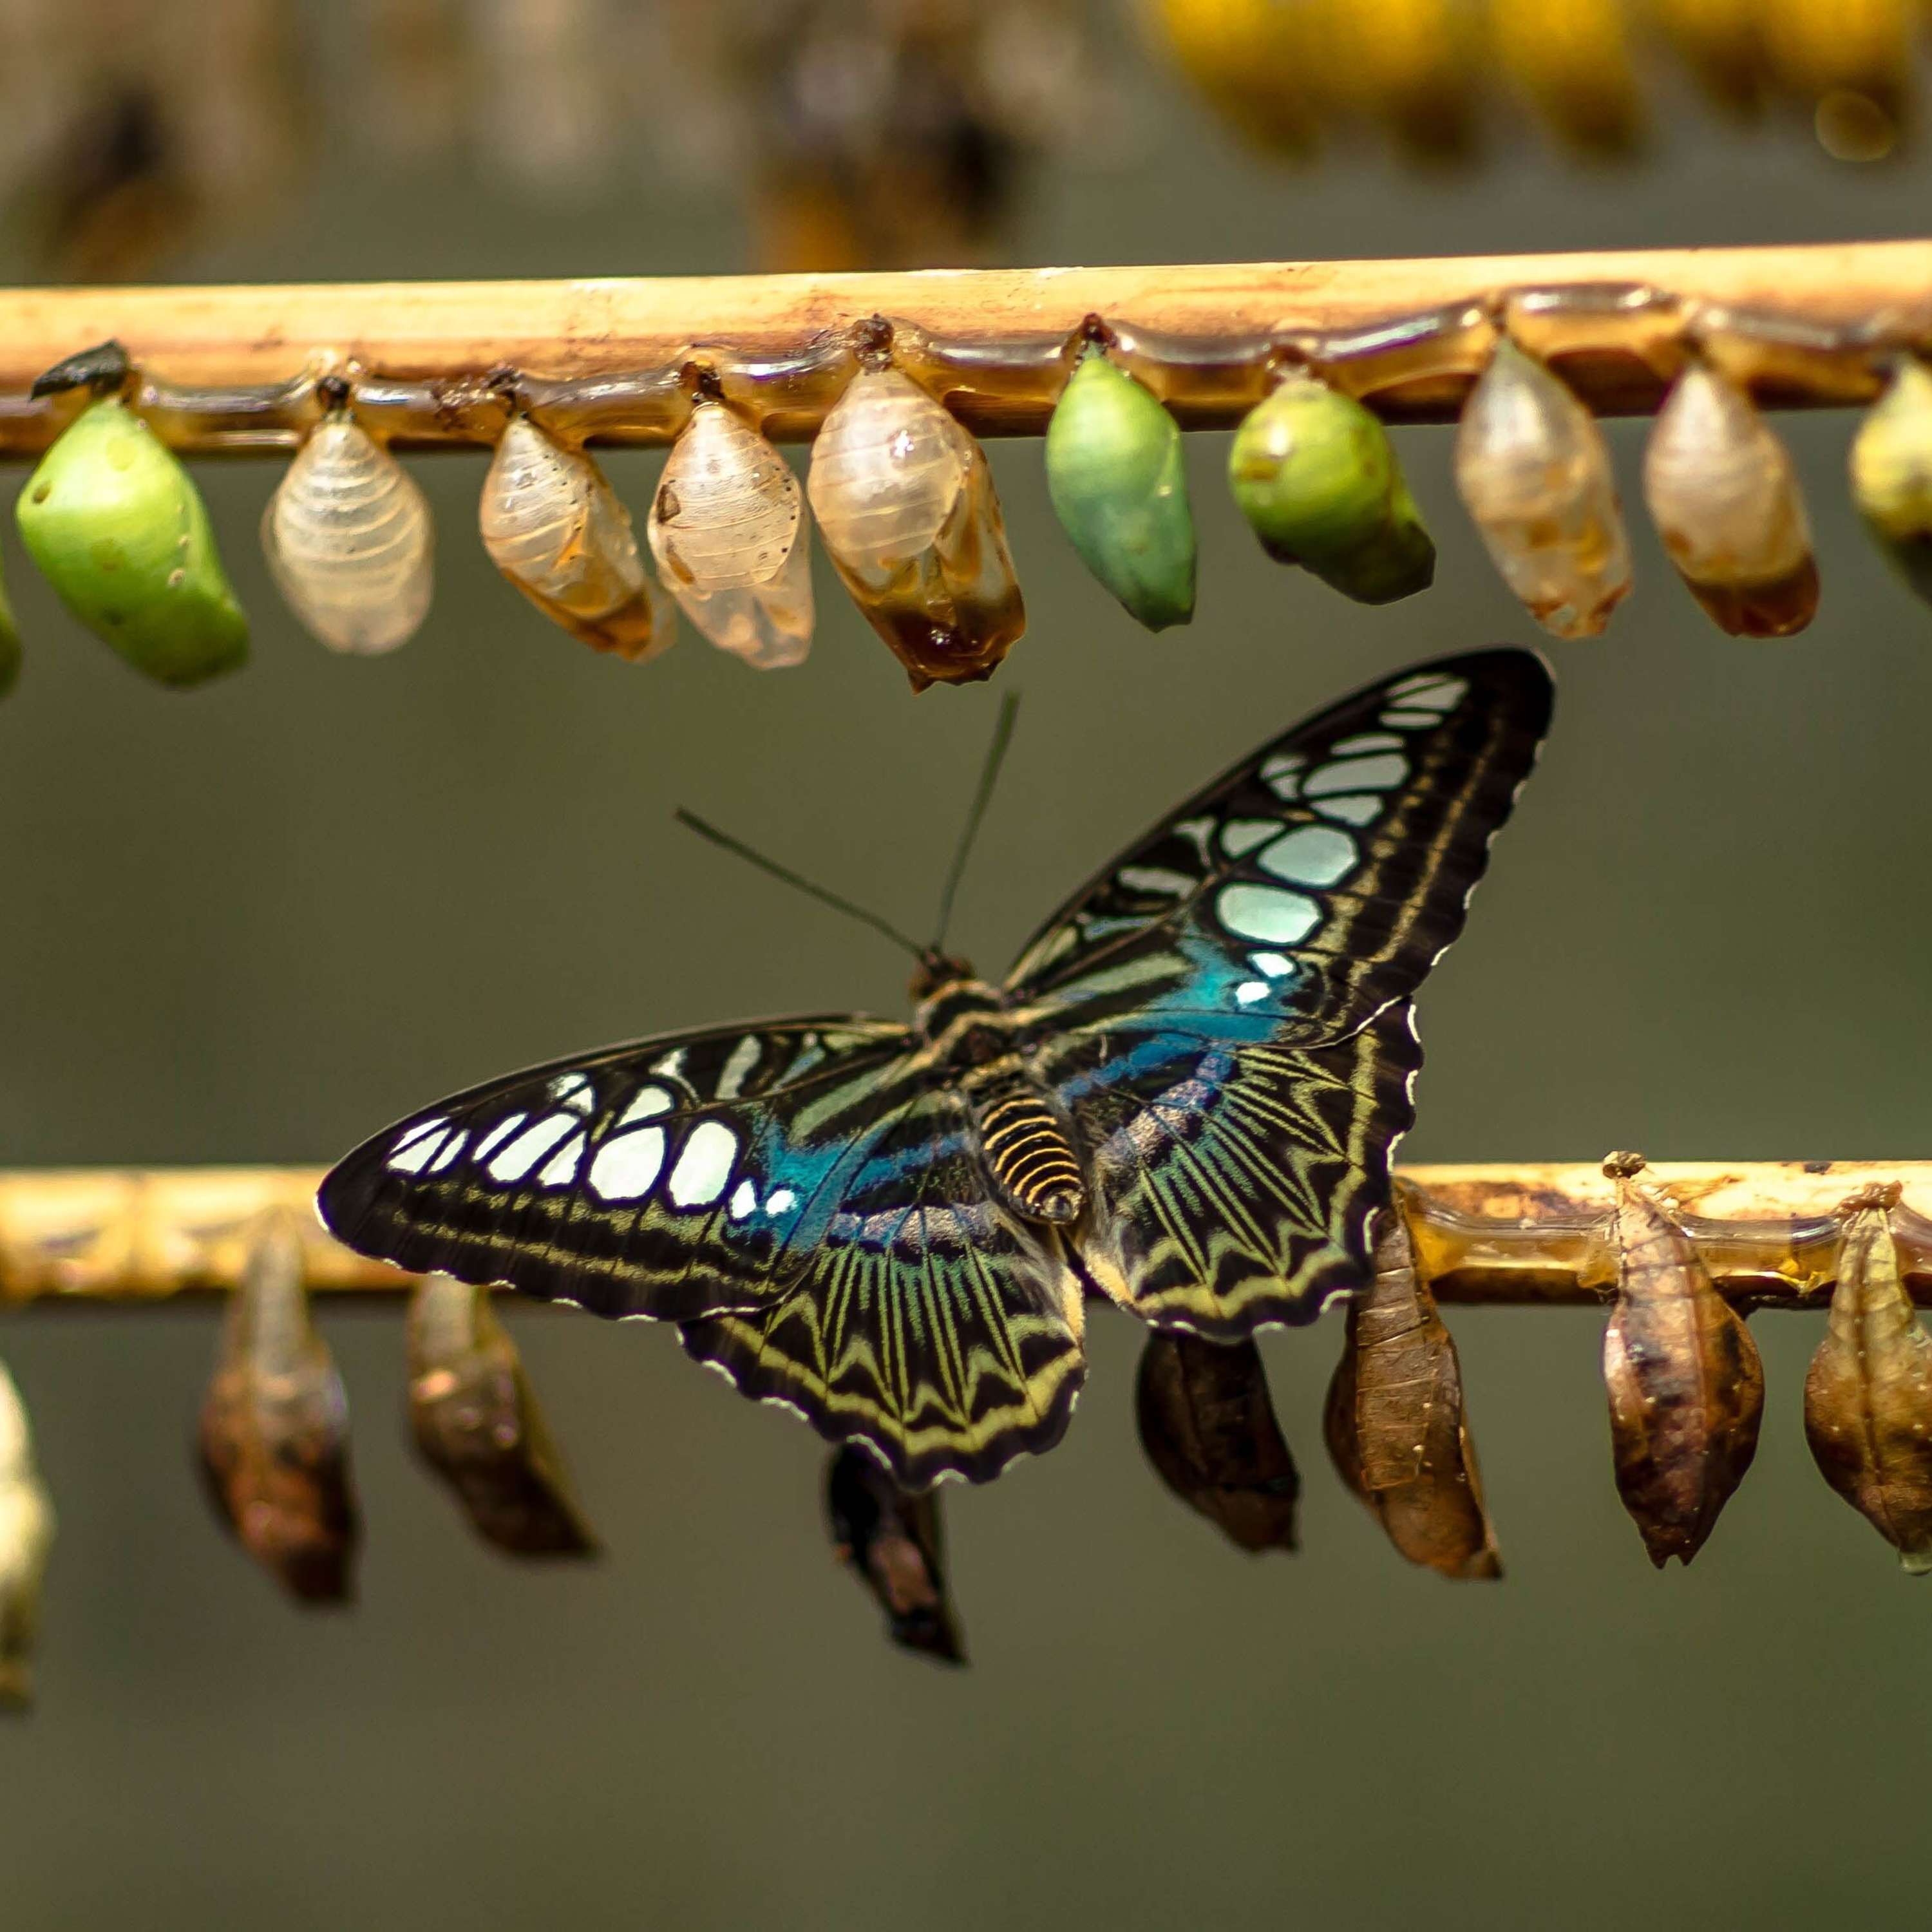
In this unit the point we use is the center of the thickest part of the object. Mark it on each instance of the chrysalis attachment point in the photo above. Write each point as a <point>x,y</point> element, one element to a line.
<point>1395,1424</point>
<point>349,541</point>
<point>1891,473</point>
<point>1532,465</point>
<point>1868,1396</point>
<point>1686,1388</point>
<point>118,529</point>
<point>1207,1425</point>
<point>1724,497</point>
<point>1118,481</point>
<point>1315,474</point>
<point>478,1426</point>
<point>274,1427</point>
<point>891,1539</point>
<point>905,503</point>
<point>554,527</point>
<point>728,527</point>
<point>26,1536</point>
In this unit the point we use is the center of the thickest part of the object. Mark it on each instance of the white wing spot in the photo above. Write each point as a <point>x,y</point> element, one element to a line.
<point>1155,879</point>
<point>646,1104</point>
<point>1358,808</point>
<point>1357,775</point>
<point>704,1166</point>
<point>1311,855</point>
<point>498,1134</point>
<point>1282,773</point>
<point>672,1064</point>
<point>1411,721</point>
<point>574,1090</point>
<point>626,1168</point>
<point>1272,964</point>
<point>560,1170</point>
<point>416,1146</point>
<point>516,1159</point>
<point>744,1198</point>
<point>1265,913</point>
<point>1366,741</point>
<point>1240,835</point>
<point>744,1057</point>
<point>781,1201</point>
<point>1430,692</point>
<point>447,1154</point>
<point>1249,990</point>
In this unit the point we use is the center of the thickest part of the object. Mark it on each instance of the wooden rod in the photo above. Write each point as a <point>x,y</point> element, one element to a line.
<point>1791,318</point>
<point>1522,1234</point>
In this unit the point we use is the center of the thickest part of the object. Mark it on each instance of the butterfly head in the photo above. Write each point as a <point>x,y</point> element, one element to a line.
<point>937,969</point>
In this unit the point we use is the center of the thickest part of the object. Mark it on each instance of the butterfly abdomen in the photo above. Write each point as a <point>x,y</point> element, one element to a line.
<point>1024,1143</point>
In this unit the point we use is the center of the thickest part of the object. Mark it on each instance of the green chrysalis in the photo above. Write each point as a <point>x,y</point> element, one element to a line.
<point>1891,473</point>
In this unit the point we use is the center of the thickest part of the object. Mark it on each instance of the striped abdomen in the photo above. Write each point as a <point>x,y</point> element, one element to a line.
<point>1026,1152</point>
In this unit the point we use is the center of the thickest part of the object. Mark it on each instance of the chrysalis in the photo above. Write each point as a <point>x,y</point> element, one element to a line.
<point>905,504</point>
<point>1573,61</point>
<point>1316,476</point>
<point>728,529</point>
<point>10,644</point>
<point>1208,1427</point>
<point>1891,473</point>
<point>274,1427</point>
<point>554,527</point>
<point>891,1540</point>
<point>1395,1422</point>
<point>1118,481</point>
<point>26,1535</point>
<point>1685,1386</point>
<point>479,1426</point>
<point>1868,1397</point>
<point>1724,497</point>
<point>349,540</point>
<point>120,531</point>
<point>1532,468</point>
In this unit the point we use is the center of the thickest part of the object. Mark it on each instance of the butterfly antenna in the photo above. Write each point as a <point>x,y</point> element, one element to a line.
<point>691,822</point>
<point>989,773</point>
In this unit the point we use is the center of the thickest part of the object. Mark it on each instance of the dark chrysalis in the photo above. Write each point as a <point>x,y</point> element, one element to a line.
<point>892,1541</point>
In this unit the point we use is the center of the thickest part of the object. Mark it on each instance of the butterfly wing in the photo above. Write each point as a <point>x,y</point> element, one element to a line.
<point>806,1182</point>
<point>1223,1011</point>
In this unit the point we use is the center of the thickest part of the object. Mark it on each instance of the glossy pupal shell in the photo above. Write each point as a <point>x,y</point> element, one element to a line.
<point>1532,465</point>
<point>1253,59</point>
<point>1208,1427</point>
<point>554,527</point>
<point>1118,481</point>
<point>26,1536</point>
<point>1316,476</point>
<point>892,1541</point>
<point>1686,1388</point>
<point>1868,1396</point>
<point>905,503</point>
<point>10,644</point>
<point>1572,60</point>
<point>477,1425</point>
<point>274,1428</point>
<point>349,541</point>
<point>1891,473</point>
<point>118,529</point>
<point>728,529</point>
<point>1724,497</point>
<point>1395,1424</point>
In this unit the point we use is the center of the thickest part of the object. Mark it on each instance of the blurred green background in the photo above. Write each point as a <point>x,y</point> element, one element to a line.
<point>255,923</point>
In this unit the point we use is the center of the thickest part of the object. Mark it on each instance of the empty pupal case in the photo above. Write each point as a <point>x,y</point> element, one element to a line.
<point>349,541</point>
<point>906,505</point>
<point>554,527</point>
<point>728,529</point>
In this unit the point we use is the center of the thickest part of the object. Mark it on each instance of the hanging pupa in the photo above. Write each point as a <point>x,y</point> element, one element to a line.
<point>1118,482</point>
<point>10,644</point>
<point>1316,476</point>
<point>1207,1425</point>
<point>26,1536</point>
<point>1868,1396</point>
<point>349,539</point>
<point>1686,1388</point>
<point>728,529</point>
<point>118,529</point>
<point>1724,497</point>
<point>1573,61</point>
<point>1395,1424</point>
<point>274,1426</point>
<point>1891,473</point>
<point>905,503</point>
<point>554,527</point>
<point>1531,466</point>
<point>891,1540</point>
<point>478,1426</point>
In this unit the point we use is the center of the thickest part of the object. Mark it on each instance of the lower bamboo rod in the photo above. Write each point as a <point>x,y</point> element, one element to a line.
<point>1521,1234</point>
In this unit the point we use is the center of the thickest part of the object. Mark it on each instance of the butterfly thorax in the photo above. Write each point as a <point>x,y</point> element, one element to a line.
<point>1023,1138</point>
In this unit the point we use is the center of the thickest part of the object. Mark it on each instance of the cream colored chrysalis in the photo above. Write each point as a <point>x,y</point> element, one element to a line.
<point>26,1534</point>
<point>349,539</point>
<point>728,527</point>
<point>554,527</point>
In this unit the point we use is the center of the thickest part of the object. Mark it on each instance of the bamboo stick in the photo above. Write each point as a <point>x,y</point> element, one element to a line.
<point>1534,1234</point>
<point>992,335</point>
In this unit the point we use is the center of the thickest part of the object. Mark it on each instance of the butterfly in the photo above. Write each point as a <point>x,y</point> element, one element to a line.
<point>1183,1097</point>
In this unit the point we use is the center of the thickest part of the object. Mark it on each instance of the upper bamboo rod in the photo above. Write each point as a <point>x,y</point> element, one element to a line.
<point>989,339</point>
<point>1534,1233</point>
